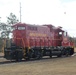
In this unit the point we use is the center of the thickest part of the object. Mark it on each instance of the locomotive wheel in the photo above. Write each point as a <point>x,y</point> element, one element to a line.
<point>59,55</point>
<point>19,55</point>
<point>18,60</point>
<point>27,58</point>
<point>50,54</point>
<point>67,53</point>
<point>30,55</point>
<point>38,55</point>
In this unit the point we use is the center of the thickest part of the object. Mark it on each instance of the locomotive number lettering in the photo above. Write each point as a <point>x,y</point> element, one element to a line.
<point>37,34</point>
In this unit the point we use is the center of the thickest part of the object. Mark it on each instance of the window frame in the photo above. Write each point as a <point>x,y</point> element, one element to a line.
<point>21,28</point>
<point>33,28</point>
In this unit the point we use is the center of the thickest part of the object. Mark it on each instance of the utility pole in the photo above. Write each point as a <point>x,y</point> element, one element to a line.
<point>0,20</point>
<point>20,12</point>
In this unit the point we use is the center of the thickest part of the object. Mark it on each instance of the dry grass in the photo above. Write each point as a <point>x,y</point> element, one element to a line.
<point>54,66</point>
<point>75,49</point>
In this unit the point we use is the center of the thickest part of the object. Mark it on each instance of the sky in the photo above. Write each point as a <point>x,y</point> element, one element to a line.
<point>56,12</point>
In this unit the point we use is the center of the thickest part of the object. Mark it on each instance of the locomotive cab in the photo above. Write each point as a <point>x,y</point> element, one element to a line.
<point>58,36</point>
<point>19,34</point>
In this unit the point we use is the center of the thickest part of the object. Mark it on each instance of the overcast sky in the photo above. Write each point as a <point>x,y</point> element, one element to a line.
<point>43,12</point>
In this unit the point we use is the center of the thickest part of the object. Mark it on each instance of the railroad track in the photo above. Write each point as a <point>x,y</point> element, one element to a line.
<point>33,60</point>
<point>46,58</point>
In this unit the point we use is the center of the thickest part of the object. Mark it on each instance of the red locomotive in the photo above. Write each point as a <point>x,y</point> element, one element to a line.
<point>34,41</point>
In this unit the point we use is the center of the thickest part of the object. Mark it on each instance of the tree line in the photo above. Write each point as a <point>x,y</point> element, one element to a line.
<point>6,28</point>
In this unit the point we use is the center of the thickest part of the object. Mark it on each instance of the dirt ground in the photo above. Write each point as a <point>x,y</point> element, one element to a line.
<point>53,66</point>
<point>47,66</point>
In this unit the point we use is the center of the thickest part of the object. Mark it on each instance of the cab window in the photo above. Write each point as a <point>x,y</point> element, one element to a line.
<point>21,28</point>
<point>65,33</point>
<point>60,33</point>
<point>32,28</point>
